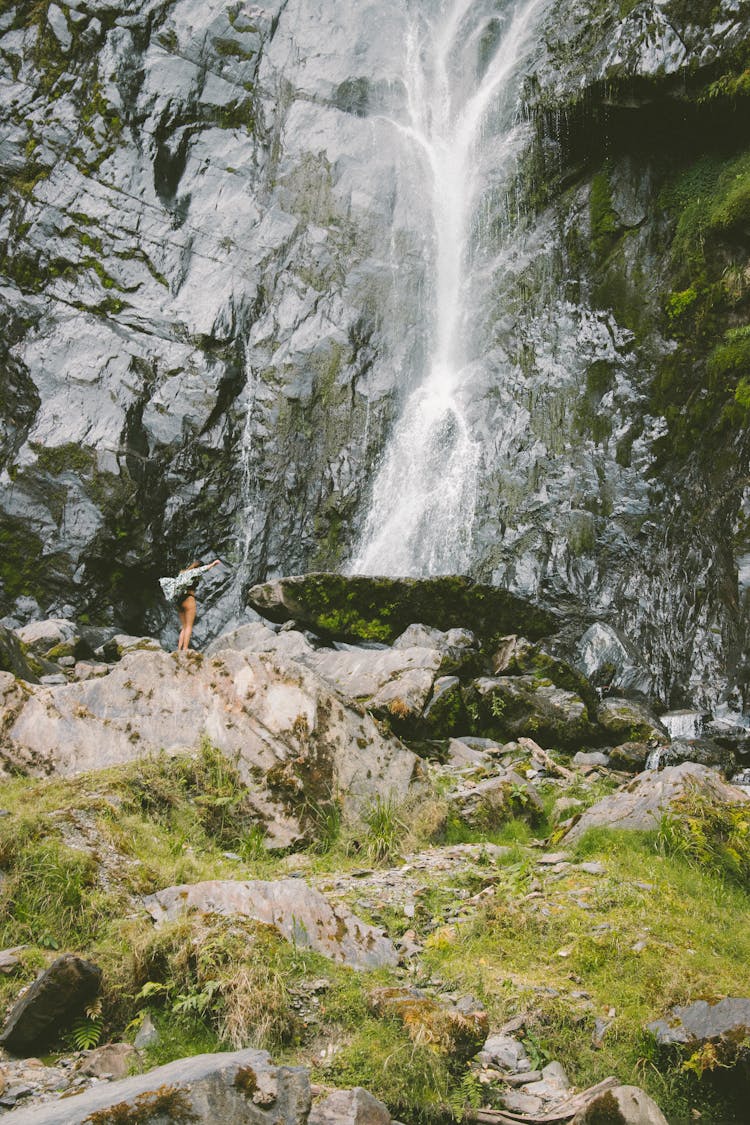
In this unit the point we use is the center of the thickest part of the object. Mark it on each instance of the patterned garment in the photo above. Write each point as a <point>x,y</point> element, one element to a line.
<point>175,589</point>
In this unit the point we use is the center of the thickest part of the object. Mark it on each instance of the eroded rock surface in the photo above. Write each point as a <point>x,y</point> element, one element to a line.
<point>301,914</point>
<point>294,741</point>
<point>640,803</point>
<point>233,1087</point>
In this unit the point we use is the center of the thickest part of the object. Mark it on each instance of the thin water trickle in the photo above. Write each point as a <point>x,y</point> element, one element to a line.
<point>425,493</point>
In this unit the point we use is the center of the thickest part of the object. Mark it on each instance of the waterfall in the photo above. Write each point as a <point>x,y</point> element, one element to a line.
<point>683,724</point>
<point>425,491</point>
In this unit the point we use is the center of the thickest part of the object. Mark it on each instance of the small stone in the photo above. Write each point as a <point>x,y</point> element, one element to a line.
<point>505,1052</point>
<point>592,868</point>
<point>518,1102</point>
<point>148,1035</point>
<point>114,1060</point>
<point>550,859</point>
<point>349,1107</point>
<point>554,1073</point>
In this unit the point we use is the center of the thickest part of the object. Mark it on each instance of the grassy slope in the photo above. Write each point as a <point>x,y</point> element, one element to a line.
<point>564,947</point>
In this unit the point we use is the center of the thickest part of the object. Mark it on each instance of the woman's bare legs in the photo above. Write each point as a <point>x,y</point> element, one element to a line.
<point>187,612</point>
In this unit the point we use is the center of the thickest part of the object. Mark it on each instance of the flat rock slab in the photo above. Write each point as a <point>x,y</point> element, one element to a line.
<point>234,1088</point>
<point>293,739</point>
<point>51,1003</point>
<point>299,912</point>
<point>640,803</point>
<point>360,608</point>
<point>702,1021</point>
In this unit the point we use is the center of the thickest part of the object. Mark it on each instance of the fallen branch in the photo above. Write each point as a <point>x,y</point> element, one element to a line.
<point>541,755</point>
<point>563,1113</point>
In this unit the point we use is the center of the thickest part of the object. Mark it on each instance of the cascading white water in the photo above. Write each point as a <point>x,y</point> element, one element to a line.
<point>424,495</point>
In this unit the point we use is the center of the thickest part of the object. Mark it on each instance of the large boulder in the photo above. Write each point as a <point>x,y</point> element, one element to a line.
<point>15,659</point>
<point>295,742</point>
<point>517,656</point>
<point>56,997</point>
<point>234,1088</point>
<point>522,706</point>
<point>640,804</point>
<point>301,914</point>
<point>380,609</point>
<point>625,720</point>
<point>395,683</point>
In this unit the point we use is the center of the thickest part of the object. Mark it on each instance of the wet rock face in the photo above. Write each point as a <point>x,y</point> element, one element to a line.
<point>217,264</point>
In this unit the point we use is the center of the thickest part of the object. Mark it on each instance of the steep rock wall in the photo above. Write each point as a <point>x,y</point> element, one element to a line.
<point>217,292</point>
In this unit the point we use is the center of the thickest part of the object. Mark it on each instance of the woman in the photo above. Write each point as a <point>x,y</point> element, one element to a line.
<point>181,591</point>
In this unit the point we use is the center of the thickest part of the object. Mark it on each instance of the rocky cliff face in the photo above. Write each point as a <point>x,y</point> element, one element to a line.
<point>218,291</point>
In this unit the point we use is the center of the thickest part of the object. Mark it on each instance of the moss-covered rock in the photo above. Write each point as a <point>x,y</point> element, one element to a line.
<point>380,609</point>
<point>14,657</point>
<point>508,707</point>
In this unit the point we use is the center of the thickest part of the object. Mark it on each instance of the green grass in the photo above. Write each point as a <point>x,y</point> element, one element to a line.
<point>697,944</point>
<point>665,925</point>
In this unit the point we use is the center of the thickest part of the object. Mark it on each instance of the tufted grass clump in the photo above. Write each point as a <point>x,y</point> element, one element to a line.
<point>712,835</point>
<point>386,829</point>
<point>228,975</point>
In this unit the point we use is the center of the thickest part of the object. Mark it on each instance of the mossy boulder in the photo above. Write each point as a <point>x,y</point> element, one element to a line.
<point>361,608</point>
<point>14,657</point>
<point>517,656</point>
<point>508,707</point>
<point>627,720</point>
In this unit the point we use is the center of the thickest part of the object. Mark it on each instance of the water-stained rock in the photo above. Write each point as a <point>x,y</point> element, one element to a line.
<point>628,721</point>
<point>301,914</point>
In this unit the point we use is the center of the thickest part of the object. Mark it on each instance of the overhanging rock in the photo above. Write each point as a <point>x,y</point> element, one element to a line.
<point>359,608</point>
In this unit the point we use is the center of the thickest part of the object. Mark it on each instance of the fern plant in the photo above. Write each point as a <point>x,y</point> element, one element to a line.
<point>86,1031</point>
